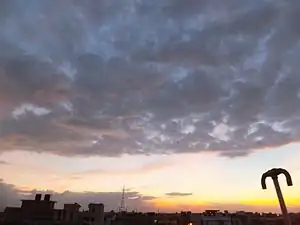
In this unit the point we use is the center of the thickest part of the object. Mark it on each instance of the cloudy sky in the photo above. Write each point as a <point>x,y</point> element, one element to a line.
<point>187,103</point>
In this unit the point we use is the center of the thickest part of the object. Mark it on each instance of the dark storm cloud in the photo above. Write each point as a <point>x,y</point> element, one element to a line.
<point>140,77</point>
<point>11,196</point>
<point>178,194</point>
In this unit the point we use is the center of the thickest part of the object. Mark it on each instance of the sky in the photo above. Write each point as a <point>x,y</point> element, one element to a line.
<point>186,103</point>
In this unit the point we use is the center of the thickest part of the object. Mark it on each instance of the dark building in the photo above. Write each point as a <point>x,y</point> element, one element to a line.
<point>38,210</point>
<point>35,211</point>
<point>41,212</point>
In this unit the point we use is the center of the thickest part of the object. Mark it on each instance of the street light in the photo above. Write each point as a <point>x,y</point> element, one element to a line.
<point>273,173</point>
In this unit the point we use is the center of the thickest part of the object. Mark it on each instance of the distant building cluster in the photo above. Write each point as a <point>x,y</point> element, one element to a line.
<point>40,211</point>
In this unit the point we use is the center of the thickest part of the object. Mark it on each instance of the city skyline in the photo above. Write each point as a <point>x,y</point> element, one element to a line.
<point>186,104</point>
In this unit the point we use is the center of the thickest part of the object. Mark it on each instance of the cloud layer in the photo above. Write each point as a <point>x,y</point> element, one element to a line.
<point>11,196</point>
<point>179,194</point>
<point>141,77</point>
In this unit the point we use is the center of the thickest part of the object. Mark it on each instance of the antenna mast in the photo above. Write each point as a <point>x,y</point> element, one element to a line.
<point>122,207</point>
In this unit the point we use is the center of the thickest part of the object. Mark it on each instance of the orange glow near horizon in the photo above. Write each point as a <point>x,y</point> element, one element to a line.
<point>209,180</point>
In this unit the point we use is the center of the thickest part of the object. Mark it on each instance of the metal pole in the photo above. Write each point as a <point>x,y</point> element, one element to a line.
<point>281,201</point>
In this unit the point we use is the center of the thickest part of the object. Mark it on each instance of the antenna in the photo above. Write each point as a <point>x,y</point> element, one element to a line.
<point>122,207</point>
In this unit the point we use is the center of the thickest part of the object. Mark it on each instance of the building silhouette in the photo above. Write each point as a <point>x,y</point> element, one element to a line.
<point>42,212</point>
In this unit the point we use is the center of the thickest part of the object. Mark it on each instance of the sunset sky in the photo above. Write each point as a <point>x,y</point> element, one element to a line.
<point>186,103</point>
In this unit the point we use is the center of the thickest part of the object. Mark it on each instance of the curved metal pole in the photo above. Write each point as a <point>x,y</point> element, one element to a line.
<point>273,173</point>
<point>282,204</point>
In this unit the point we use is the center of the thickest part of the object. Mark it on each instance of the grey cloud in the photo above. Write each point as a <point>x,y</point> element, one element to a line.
<point>178,194</point>
<point>234,154</point>
<point>149,77</point>
<point>2,162</point>
<point>8,195</point>
<point>27,79</point>
<point>11,196</point>
<point>178,8</point>
<point>111,200</point>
